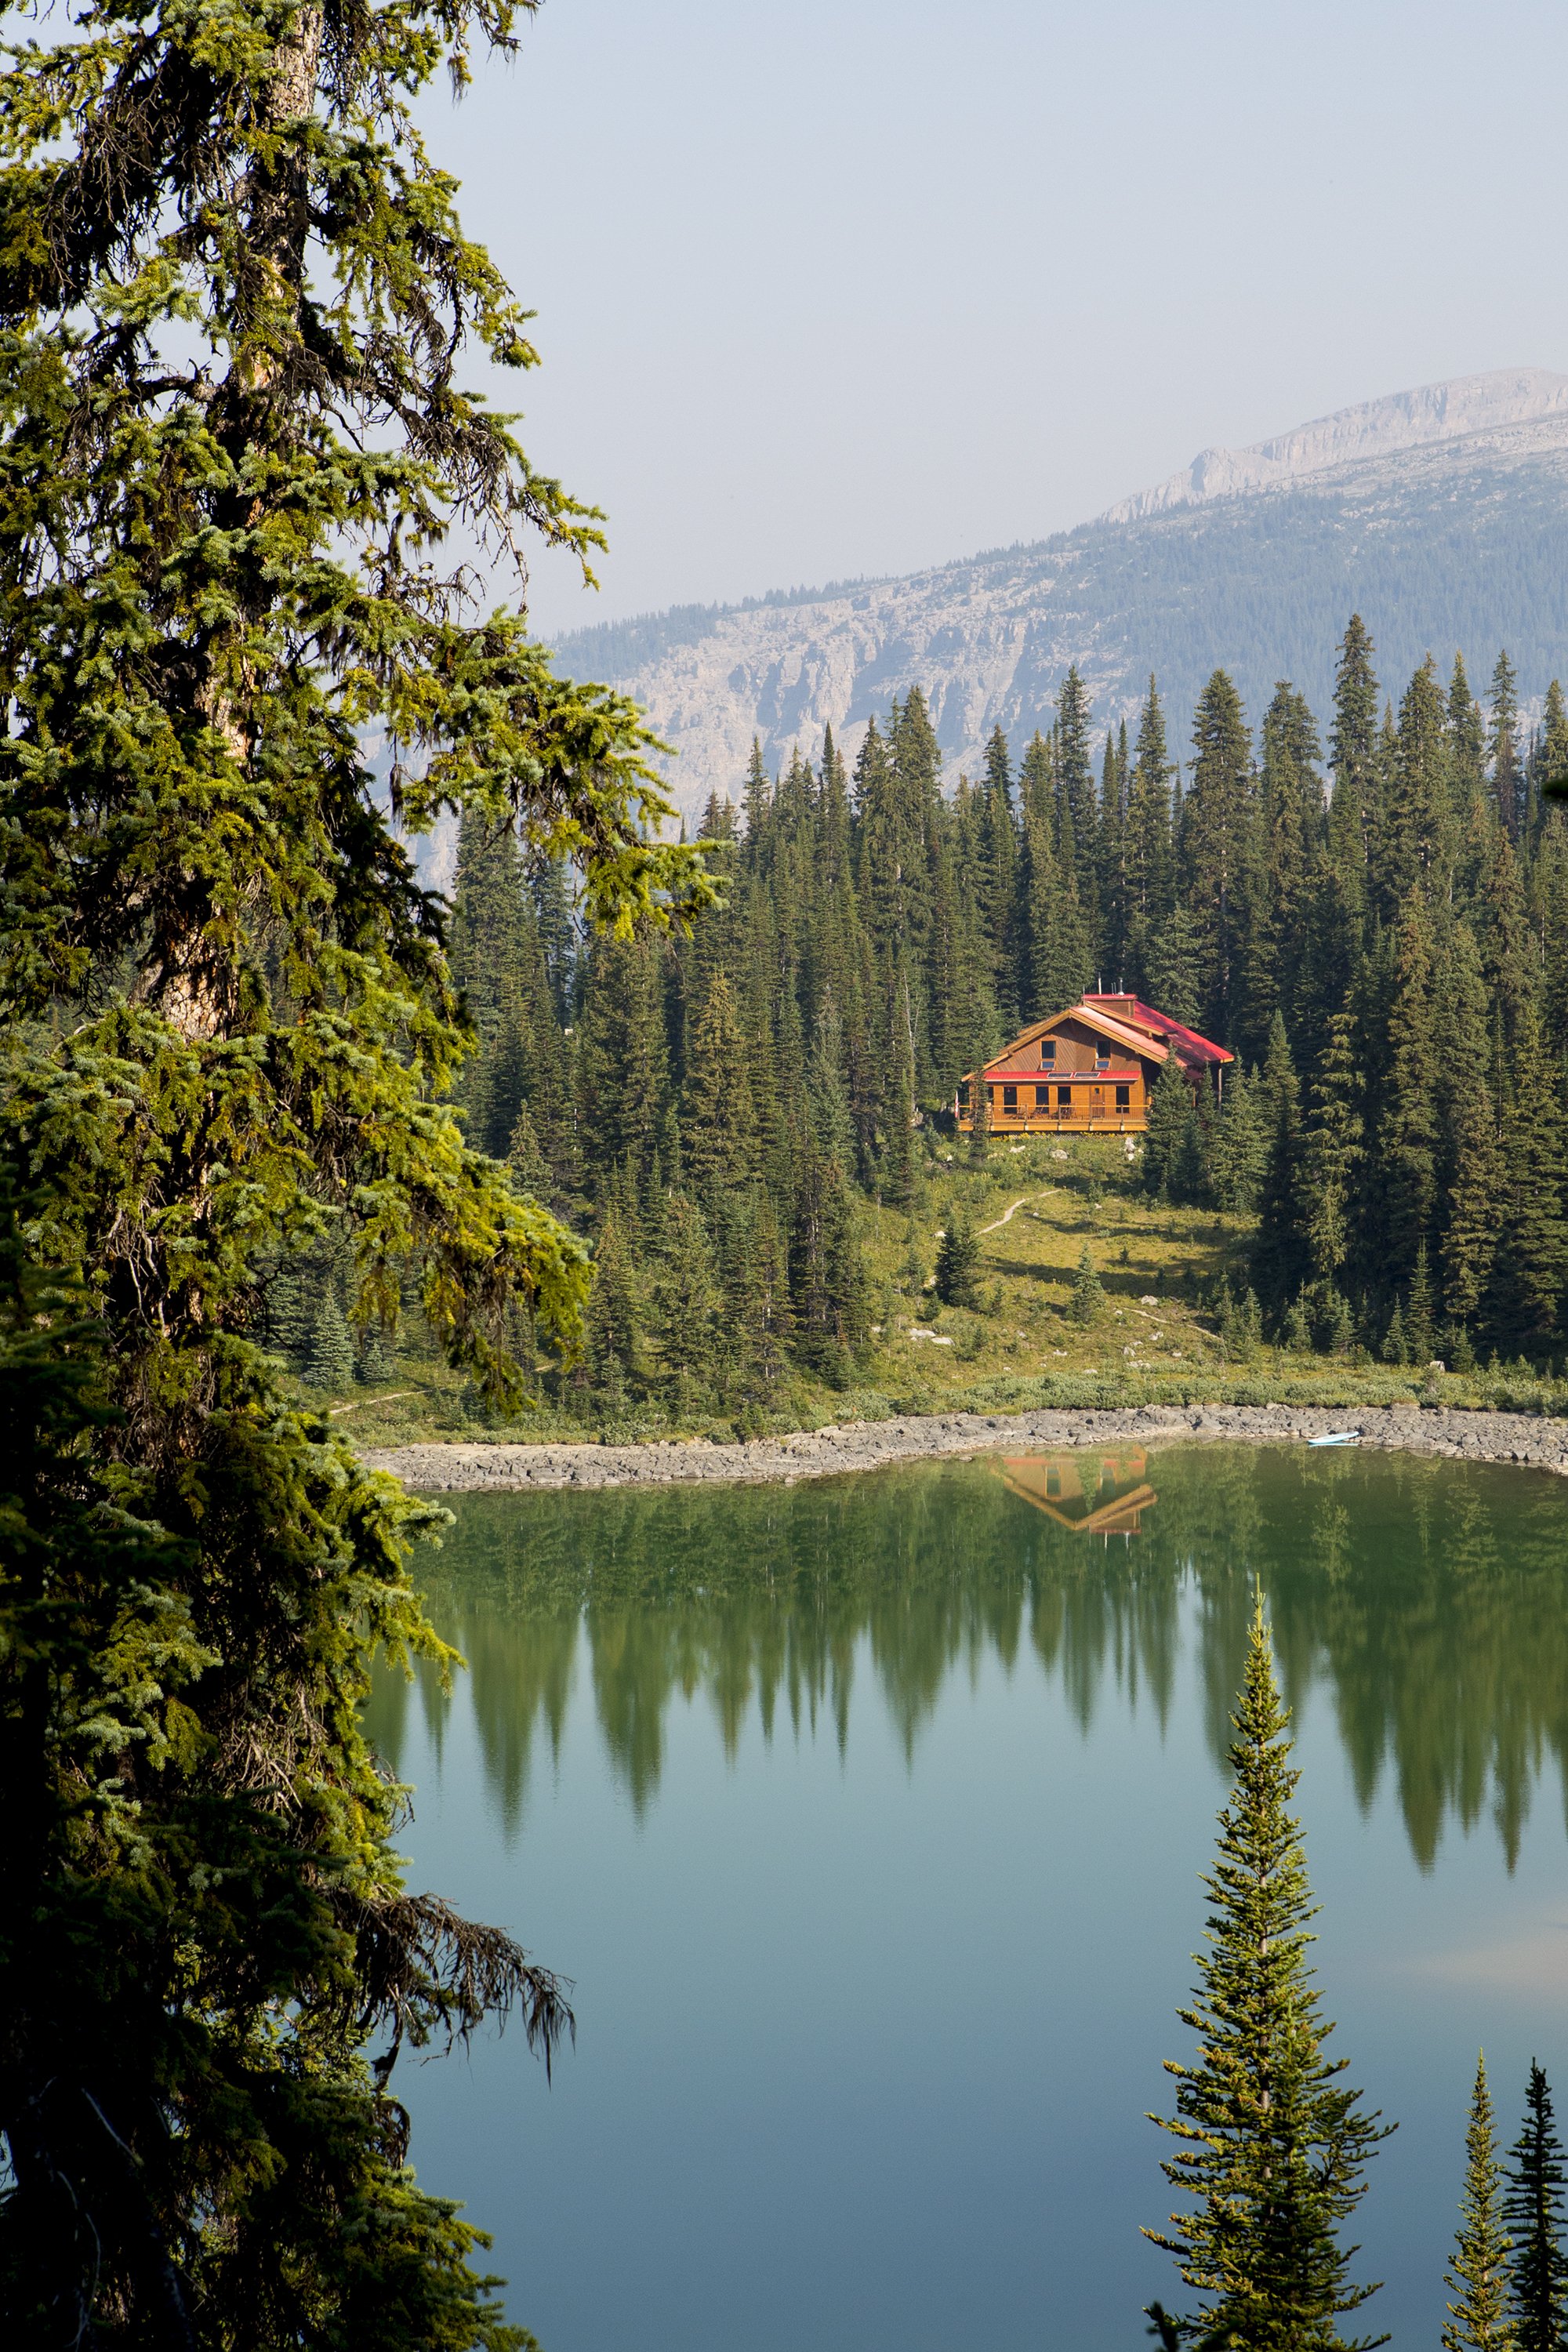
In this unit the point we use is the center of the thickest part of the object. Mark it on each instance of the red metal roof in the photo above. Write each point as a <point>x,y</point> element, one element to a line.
<point>1192,1047</point>
<point>1051,1077</point>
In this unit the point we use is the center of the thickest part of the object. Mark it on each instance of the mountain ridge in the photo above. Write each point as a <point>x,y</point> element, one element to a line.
<point>1440,513</point>
<point>1503,400</point>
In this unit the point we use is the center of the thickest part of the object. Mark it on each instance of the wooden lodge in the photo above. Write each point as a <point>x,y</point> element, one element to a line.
<point>1087,1071</point>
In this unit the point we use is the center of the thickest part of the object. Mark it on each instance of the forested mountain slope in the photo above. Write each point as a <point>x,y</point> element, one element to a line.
<point>1440,515</point>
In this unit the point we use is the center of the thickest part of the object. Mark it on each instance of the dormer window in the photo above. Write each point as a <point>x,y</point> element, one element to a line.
<point>1048,1054</point>
<point>1102,1058</point>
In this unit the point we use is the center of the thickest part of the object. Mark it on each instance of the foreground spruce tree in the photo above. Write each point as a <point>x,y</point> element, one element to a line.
<point>234,294</point>
<point>1273,2146</point>
<point>1538,2268</point>
<point>1479,2318</point>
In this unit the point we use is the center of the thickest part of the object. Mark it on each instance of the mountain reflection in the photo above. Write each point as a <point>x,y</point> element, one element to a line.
<point>1428,1595</point>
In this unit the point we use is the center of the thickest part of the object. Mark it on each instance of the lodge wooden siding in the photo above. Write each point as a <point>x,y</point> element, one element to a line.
<point>1110,1100</point>
<point>1090,1069</point>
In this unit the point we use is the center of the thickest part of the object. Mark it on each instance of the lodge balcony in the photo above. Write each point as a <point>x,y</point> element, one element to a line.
<point>1100,1102</point>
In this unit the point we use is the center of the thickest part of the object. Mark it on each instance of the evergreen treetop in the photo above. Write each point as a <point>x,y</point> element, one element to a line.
<point>1272,2146</point>
<point>1479,2318</point>
<point>1353,740</point>
<point>1533,2214</point>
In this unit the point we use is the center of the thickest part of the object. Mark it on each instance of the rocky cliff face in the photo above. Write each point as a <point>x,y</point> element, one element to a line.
<point>1441,515</point>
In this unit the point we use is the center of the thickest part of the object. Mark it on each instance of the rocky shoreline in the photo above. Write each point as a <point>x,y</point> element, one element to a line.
<point>438,1469</point>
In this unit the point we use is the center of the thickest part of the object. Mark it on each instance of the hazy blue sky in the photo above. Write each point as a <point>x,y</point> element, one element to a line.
<point>850,287</point>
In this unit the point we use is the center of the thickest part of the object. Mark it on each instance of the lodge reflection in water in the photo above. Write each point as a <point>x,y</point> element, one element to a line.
<point>1093,1494</point>
<point>1427,1596</point>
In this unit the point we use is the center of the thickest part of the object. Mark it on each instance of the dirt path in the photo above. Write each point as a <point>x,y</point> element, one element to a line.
<point>1008,1215</point>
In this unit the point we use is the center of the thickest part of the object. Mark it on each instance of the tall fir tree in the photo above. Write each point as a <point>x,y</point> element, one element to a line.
<point>1530,1268</point>
<point>1354,757</point>
<point>1503,750</point>
<point>1221,853</point>
<point>1077,815</point>
<point>1281,1259</point>
<point>1239,1154</point>
<point>1554,733</point>
<point>622,1062</point>
<point>1549,895</point>
<point>1415,843</point>
<point>999,877</point>
<point>1479,2318</point>
<point>685,1310</point>
<point>718,1123</point>
<point>1149,855</point>
<point>1533,2215</point>
<point>1407,1134</point>
<point>1172,966</point>
<point>244,345</point>
<point>1333,1152</point>
<point>828,1282</point>
<point>614,1326</point>
<point>1470,1234</point>
<point>1273,2146</point>
<point>1293,823</point>
<point>1467,736</point>
<point>1169,1107</point>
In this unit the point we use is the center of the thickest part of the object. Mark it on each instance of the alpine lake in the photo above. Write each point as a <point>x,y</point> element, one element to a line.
<point>866,1816</point>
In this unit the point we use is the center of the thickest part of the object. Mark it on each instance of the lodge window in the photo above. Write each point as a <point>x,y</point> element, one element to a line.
<point>1009,1099</point>
<point>963,1094</point>
<point>1048,1054</point>
<point>1042,1098</point>
<point>1124,1098</point>
<point>1064,1098</point>
<point>1102,1059</point>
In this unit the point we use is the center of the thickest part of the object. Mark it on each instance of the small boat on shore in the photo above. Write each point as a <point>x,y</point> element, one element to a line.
<point>1336,1437</point>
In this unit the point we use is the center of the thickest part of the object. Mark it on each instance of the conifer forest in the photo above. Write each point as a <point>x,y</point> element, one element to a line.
<point>1370,909</point>
<point>642,1132</point>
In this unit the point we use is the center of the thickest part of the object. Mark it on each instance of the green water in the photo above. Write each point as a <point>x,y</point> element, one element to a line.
<point>866,1816</point>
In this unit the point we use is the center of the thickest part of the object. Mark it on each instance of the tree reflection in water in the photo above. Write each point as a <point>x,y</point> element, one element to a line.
<point>1429,1595</point>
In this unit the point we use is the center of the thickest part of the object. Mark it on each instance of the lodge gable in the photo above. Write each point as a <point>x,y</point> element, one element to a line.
<point>1090,1068</point>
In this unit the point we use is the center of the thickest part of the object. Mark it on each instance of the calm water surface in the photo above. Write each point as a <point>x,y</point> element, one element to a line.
<point>866,1816</point>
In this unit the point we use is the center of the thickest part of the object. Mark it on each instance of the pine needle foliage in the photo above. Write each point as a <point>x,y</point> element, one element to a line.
<point>1087,1291</point>
<point>1479,2318</point>
<point>331,1364</point>
<point>1272,2146</point>
<point>1170,1106</point>
<point>958,1261</point>
<point>235,297</point>
<point>1533,2208</point>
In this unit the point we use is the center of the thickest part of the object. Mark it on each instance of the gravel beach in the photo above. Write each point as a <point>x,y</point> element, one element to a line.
<point>867,1445</point>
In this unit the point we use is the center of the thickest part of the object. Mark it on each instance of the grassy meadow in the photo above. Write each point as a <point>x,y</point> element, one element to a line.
<point>1154,1336</point>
